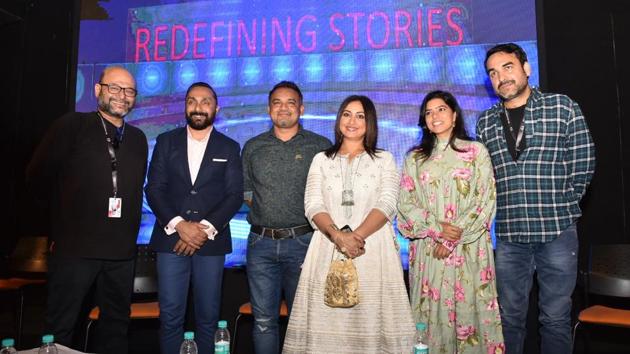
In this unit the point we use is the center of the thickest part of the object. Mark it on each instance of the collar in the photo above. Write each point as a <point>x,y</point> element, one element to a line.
<point>99,115</point>
<point>300,132</point>
<point>534,96</point>
<point>205,138</point>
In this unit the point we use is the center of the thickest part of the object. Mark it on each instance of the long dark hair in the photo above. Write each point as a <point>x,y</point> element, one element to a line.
<point>427,143</point>
<point>371,127</point>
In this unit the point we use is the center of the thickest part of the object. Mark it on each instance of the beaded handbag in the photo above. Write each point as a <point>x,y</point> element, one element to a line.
<point>342,282</point>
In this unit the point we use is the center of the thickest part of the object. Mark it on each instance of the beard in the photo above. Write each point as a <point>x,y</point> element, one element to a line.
<point>200,124</point>
<point>518,90</point>
<point>285,122</point>
<point>107,107</point>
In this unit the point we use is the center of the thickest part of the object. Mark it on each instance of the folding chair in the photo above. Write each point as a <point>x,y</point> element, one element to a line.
<point>144,283</point>
<point>608,274</point>
<point>28,264</point>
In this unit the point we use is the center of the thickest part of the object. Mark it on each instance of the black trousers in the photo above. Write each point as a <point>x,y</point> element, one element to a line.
<point>70,280</point>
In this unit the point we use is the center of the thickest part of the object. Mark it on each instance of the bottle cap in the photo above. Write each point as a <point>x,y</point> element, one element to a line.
<point>420,326</point>
<point>8,342</point>
<point>189,335</point>
<point>222,324</point>
<point>48,338</point>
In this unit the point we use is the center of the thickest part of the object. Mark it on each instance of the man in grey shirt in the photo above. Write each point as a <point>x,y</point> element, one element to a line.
<point>275,167</point>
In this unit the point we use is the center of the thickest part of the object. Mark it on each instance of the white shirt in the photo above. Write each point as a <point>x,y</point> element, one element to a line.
<point>196,149</point>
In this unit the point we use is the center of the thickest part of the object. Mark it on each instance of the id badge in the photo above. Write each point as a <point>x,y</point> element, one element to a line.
<point>115,208</point>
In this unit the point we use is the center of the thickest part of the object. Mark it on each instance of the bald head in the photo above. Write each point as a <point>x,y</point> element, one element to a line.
<point>116,72</point>
<point>116,93</point>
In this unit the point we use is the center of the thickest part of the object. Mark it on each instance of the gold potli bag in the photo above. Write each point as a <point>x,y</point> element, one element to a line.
<point>342,282</point>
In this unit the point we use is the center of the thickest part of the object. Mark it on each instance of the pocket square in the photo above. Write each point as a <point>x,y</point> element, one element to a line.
<point>219,160</point>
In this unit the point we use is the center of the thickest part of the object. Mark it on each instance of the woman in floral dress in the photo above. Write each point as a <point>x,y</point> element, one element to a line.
<point>446,207</point>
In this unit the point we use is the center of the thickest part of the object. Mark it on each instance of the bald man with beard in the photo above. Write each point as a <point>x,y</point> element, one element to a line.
<point>90,167</point>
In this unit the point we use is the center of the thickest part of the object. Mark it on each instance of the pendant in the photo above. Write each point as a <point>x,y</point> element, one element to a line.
<point>347,197</point>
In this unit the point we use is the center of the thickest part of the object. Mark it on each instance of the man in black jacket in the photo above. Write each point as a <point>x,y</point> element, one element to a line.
<point>92,165</point>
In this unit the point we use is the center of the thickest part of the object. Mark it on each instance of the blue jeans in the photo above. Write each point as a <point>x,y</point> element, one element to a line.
<point>555,264</point>
<point>273,266</point>
<point>174,276</point>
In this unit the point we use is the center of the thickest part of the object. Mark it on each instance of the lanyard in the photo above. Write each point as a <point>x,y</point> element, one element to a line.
<point>112,155</point>
<point>521,129</point>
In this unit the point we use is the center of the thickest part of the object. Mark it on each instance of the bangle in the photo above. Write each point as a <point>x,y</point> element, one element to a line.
<point>334,227</point>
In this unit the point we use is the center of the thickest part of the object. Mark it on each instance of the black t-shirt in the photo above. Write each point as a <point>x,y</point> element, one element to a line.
<point>516,119</point>
<point>72,167</point>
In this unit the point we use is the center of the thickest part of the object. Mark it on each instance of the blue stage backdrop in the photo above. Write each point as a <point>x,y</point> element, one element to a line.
<point>392,51</point>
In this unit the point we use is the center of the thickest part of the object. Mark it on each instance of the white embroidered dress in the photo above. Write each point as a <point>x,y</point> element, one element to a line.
<point>382,321</point>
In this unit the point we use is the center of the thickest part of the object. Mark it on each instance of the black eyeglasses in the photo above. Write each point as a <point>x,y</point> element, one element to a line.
<point>115,89</point>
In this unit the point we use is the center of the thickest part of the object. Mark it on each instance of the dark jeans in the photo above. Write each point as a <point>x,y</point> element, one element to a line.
<point>273,266</point>
<point>175,274</point>
<point>555,264</point>
<point>70,280</point>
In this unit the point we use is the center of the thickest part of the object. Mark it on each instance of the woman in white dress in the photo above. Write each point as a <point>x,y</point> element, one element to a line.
<point>355,184</point>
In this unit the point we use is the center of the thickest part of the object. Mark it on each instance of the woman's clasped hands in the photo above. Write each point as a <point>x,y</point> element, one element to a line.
<point>351,244</point>
<point>450,233</point>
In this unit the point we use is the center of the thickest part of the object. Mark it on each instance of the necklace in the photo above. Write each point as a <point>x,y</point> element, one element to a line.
<point>347,182</point>
<point>521,129</point>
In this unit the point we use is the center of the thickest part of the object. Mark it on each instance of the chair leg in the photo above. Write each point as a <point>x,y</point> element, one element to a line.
<point>87,335</point>
<point>587,340</point>
<point>20,318</point>
<point>573,336</point>
<point>238,317</point>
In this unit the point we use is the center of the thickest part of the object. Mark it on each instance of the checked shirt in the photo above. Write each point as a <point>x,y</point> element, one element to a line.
<point>538,195</point>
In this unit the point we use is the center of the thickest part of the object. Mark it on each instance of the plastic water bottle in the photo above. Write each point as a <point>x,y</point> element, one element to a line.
<point>7,346</point>
<point>48,345</point>
<point>222,339</point>
<point>188,346</point>
<point>421,346</point>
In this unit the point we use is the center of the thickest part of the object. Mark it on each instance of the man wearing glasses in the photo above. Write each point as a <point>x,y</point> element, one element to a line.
<point>91,168</point>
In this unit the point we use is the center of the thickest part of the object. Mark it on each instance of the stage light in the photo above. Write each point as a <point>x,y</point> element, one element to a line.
<point>423,65</point>
<point>465,64</point>
<point>152,78</point>
<point>219,72</point>
<point>383,66</point>
<point>250,72</point>
<point>313,68</point>
<point>282,68</point>
<point>186,73</point>
<point>347,67</point>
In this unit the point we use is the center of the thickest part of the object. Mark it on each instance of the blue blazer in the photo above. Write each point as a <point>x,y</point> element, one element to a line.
<point>216,195</point>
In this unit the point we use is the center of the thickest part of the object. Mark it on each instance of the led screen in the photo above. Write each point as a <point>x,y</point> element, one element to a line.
<point>392,51</point>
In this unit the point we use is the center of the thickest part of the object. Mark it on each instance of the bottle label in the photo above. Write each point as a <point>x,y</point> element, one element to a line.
<point>222,348</point>
<point>420,349</point>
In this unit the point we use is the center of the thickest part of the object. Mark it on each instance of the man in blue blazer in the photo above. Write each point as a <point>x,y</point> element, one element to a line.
<point>195,186</point>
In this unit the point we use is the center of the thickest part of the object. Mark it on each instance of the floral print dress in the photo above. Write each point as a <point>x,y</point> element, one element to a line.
<point>456,296</point>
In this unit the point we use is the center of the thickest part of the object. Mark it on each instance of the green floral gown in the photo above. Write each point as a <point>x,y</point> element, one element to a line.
<point>455,296</point>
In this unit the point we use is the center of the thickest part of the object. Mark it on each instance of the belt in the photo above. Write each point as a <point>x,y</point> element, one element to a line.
<point>279,234</point>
